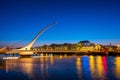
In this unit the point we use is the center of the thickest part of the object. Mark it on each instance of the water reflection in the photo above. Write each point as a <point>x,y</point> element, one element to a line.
<point>92,66</point>
<point>78,66</point>
<point>51,59</point>
<point>26,66</point>
<point>117,67</point>
<point>85,68</point>
<point>62,67</point>
<point>99,66</point>
<point>42,65</point>
<point>104,62</point>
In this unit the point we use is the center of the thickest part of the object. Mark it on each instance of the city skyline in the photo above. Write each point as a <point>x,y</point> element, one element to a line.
<point>96,21</point>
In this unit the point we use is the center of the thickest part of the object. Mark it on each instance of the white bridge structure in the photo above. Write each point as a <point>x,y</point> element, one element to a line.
<point>26,50</point>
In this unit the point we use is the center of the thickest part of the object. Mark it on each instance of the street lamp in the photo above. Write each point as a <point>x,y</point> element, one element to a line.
<point>118,46</point>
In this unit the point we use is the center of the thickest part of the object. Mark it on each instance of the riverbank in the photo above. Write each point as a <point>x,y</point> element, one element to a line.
<point>81,53</point>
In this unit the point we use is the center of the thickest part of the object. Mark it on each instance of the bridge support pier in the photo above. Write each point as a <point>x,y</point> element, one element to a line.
<point>26,53</point>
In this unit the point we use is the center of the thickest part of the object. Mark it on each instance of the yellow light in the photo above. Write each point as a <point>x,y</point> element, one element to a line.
<point>61,56</point>
<point>41,54</point>
<point>65,55</point>
<point>51,55</point>
<point>46,55</point>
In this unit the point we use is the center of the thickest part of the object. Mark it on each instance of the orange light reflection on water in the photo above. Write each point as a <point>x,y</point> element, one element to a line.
<point>78,66</point>
<point>117,67</point>
<point>26,65</point>
<point>98,66</point>
<point>92,65</point>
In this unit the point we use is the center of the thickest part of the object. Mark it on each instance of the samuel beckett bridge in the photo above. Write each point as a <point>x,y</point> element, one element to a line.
<point>26,50</point>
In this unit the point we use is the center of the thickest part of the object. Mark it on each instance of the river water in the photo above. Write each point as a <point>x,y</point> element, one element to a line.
<point>61,67</point>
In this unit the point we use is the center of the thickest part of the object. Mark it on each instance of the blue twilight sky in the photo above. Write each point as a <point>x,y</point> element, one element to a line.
<point>94,20</point>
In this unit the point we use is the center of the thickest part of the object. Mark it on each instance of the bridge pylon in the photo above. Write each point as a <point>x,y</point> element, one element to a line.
<point>26,50</point>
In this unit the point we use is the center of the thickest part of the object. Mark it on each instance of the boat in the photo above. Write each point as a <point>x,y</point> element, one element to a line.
<point>4,56</point>
<point>11,57</point>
